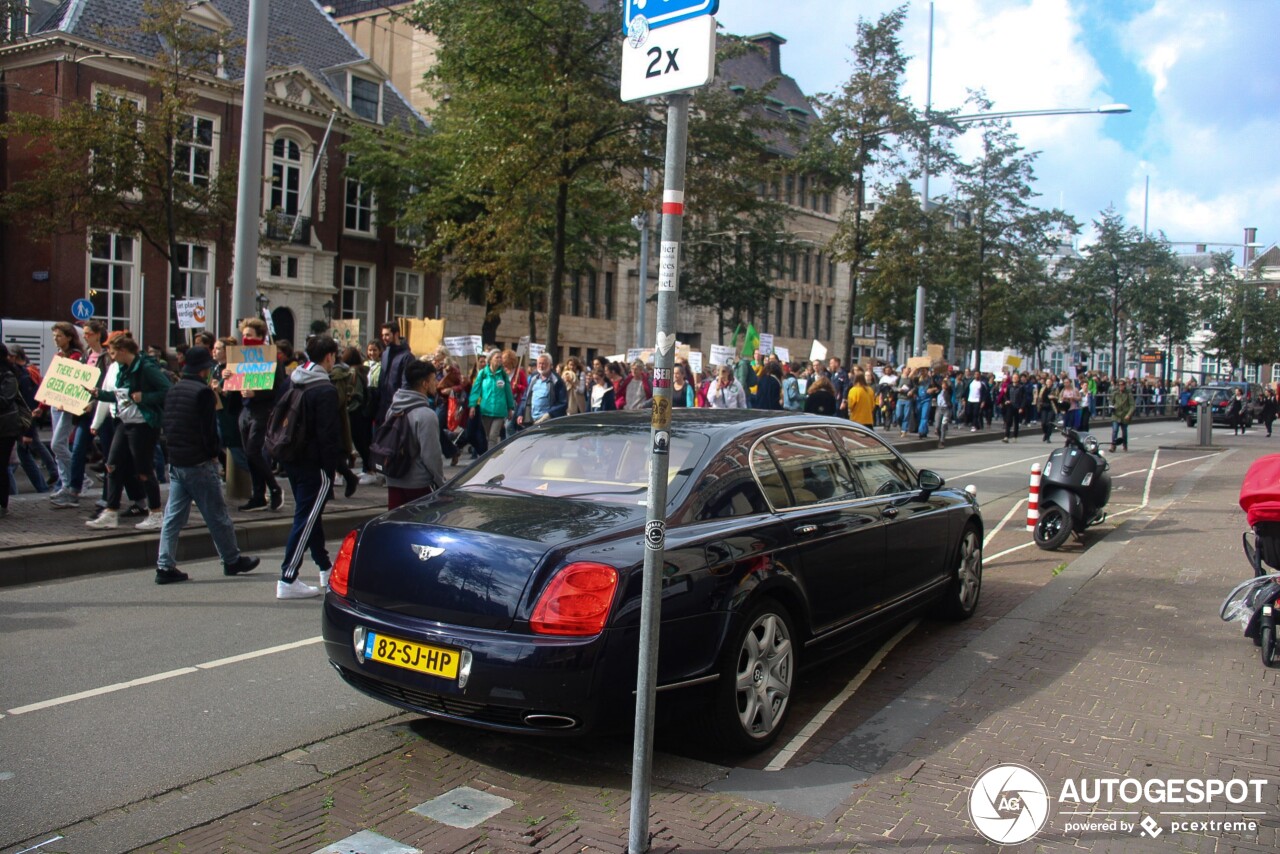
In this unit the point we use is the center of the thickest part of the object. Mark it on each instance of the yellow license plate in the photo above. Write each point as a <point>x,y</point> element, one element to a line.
<point>412,656</point>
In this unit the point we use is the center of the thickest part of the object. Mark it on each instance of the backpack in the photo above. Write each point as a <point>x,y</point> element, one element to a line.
<point>286,438</point>
<point>391,451</point>
<point>15,415</point>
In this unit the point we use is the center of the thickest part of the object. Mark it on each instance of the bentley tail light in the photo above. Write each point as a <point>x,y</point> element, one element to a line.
<point>577,601</point>
<point>342,566</point>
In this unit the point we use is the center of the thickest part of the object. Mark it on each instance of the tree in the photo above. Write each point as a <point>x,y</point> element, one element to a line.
<point>1243,316</point>
<point>854,136</point>
<point>526,171</point>
<point>149,172</point>
<point>1004,235</point>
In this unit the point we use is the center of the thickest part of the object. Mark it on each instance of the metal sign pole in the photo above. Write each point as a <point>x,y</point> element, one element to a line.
<point>659,463</point>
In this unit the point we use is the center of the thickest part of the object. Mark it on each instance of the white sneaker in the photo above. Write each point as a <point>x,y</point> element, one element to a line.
<point>153,522</point>
<point>368,479</point>
<point>295,590</point>
<point>324,579</point>
<point>105,519</point>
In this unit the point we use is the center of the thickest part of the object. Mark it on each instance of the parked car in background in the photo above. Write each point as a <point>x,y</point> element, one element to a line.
<point>1218,395</point>
<point>510,599</point>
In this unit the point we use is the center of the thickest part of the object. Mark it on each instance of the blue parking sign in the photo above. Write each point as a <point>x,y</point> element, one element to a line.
<point>659,13</point>
<point>82,309</point>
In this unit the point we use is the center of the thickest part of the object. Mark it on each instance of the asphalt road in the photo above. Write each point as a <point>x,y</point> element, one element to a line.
<point>114,690</point>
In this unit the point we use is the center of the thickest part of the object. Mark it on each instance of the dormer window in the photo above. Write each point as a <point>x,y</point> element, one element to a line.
<point>364,97</point>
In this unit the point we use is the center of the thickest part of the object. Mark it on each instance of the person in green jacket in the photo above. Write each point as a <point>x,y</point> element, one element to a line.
<point>1121,414</point>
<point>491,398</point>
<point>141,386</point>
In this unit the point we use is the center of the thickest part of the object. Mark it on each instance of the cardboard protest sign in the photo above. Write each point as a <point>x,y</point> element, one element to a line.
<point>522,348</point>
<point>191,313</point>
<point>477,345</point>
<point>934,352</point>
<point>460,345</point>
<point>252,368</point>
<point>721,354</point>
<point>536,350</point>
<point>695,361</point>
<point>783,354</point>
<point>68,385</point>
<point>346,333</point>
<point>616,357</point>
<point>766,343</point>
<point>424,336</point>
<point>682,351</point>
<point>918,362</point>
<point>644,354</point>
<point>817,351</point>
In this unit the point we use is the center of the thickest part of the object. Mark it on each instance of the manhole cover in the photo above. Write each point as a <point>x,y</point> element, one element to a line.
<point>463,807</point>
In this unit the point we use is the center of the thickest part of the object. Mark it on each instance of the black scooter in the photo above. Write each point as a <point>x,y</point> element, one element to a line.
<point>1255,603</point>
<point>1074,490</point>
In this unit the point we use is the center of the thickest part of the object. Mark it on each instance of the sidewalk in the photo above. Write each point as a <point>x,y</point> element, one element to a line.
<point>1117,668</point>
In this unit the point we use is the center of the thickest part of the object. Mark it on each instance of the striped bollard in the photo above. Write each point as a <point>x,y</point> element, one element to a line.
<point>1033,500</point>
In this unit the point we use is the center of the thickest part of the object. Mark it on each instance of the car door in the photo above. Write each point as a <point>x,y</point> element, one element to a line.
<point>918,536</point>
<point>839,534</point>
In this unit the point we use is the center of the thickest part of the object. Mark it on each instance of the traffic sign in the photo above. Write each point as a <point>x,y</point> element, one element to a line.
<point>660,13</point>
<point>82,309</point>
<point>671,59</point>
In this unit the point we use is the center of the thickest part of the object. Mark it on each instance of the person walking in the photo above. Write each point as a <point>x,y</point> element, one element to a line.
<point>1235,413</point>
<point>67,339</point>
<point>577,397</point>
<point>861,403</point>
<point>943,410</point>
<point>311,475</point>
<point>792,396</point>
<point>725,392</point>
<point>601,398</point>
<point>30,443</point>
<point>1267,411</point>
<point>191,426</point>
<point>141,386</point>
<point>768,393</point>
<point>1014,404</point>
<point>546,396</point>
<point>491,398</point>
<point>413,403</point>
<point>396,356</point>
<point>15,419</point>
<point>635,390</point>
<point>254,414</point>
<point>973,399</point>
<point>1122,408</point>
<point>821,399</point>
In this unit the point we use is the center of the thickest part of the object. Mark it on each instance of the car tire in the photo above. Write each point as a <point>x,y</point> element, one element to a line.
<point>965,589</point>
<point>1267,644</point>
<point>757,676</point>
<point>1052,528</point>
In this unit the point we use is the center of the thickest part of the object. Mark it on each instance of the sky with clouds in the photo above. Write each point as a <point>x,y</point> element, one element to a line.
<point>1201,76</point>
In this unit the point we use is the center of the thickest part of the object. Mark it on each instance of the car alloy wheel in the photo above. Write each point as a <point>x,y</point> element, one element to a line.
<point>965,589</point>
<point>764,675</point>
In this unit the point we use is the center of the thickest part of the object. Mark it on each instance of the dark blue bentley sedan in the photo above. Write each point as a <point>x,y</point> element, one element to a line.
<point>510,599</point>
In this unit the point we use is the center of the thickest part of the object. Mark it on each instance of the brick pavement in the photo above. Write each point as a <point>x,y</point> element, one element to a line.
<point>1133,675</point>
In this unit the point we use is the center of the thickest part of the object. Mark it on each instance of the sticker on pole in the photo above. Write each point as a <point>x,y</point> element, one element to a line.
<point>669,59</point>
<point>655,534</point>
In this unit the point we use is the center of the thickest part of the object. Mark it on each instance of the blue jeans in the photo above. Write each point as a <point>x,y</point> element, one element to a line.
<point>310,487</point>
<point>80,445</point>
<point>63,427</point>
<point>28,463</point>
<point>202,485</point>
<point>926,407</point>
<point>902,414</point>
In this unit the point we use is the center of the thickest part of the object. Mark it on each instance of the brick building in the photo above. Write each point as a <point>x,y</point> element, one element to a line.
<point>323,244</point>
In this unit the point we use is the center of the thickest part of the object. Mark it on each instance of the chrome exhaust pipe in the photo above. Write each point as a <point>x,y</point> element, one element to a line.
<point>539,720</point>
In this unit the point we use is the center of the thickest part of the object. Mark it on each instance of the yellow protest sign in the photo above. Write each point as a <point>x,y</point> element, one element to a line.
<point>68,385</point>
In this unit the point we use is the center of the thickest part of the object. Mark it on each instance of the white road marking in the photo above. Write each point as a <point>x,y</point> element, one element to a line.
<point>159,677</point>
<point>1146,491</point>
<point>999,555</point>
<point>1188,460</point>
<point>798,742</point>
<point>991,536</point>
<point>1002,465</point>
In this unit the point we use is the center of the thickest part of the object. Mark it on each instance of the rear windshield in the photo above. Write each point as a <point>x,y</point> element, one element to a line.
<point>597,463</point>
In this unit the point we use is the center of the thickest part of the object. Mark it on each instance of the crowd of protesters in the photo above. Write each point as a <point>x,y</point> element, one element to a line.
<point>157,415</point>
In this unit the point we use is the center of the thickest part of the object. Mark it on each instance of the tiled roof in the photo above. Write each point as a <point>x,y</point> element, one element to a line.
<point>753,69</point>
<point>299,34</point>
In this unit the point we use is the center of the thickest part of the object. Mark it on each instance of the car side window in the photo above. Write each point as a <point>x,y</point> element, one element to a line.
<point>809,468</point>
<point>769,478</point>
<point>881,471</point>
<point>729,489</point>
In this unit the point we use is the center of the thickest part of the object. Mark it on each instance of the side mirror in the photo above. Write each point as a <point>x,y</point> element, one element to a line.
<point>930,481</point>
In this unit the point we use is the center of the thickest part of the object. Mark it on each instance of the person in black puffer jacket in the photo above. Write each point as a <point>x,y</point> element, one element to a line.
<point>311,476</point>
<point>190,422</point>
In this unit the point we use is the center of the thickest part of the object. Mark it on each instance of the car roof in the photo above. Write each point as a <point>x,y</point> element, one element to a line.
<point>717,425</point>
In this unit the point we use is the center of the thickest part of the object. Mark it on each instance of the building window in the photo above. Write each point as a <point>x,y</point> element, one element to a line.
<point>826,203</point>
<point>831,274</point>
<point>284,267</point>
<point>791,189</point>
<point>608,296</point>
<point>777,313</point>
<point>111,275</point>
<point>808,266</point>
<point>365,98</point>
<point>819,268</point>
<point>791,324</point>
<point>593,293</point>
<point>359,209</point>
<point>407,299</point>
<point>804,320</point>
<point>193,263</point>
<point>357,295</point>
<point>575,296</point>
<point>804,188</point>
<point>795,266</point>
<point>193,153</point>
<point>831,330</point>
<point>286,175</point>
<point>14,25</point>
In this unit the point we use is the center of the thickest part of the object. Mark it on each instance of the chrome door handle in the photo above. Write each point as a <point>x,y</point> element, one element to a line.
<point>806,530</point>
<point>889,512</point>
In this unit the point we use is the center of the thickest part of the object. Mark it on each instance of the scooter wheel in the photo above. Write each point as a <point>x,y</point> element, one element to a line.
<point>1052,528</point>
<point>1267,645</point>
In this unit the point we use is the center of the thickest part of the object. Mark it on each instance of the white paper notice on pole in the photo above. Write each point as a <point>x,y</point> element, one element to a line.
<point>783,354</point>
<point>536,350</point>
<point>721,354</point>
<point>695,361</point>
<point>191,313</point>
<point>817,352</point>
<point>668,262</point>
<point>669,59</point>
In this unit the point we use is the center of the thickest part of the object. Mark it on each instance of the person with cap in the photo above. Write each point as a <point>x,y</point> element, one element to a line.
<point>190,422</point>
